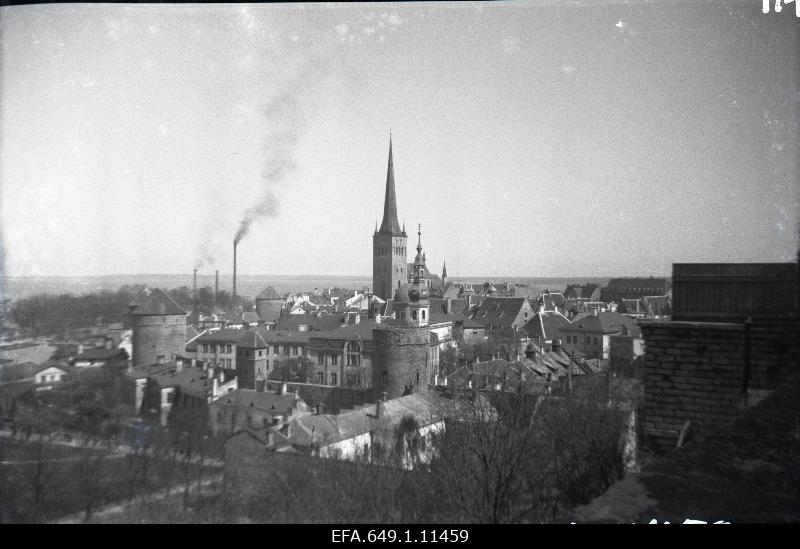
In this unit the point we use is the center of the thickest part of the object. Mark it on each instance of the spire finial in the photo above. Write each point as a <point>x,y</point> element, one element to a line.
<point>419,237</point>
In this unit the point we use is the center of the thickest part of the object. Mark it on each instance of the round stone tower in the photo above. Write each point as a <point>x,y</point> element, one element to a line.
<point>159,328</point>
<point>400,359</point>
<point>269,305</point>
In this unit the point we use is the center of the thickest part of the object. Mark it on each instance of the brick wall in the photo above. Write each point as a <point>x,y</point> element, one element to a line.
<point>695,371</point>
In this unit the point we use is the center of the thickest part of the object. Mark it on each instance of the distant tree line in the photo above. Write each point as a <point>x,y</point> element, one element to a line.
<point>56,315</point>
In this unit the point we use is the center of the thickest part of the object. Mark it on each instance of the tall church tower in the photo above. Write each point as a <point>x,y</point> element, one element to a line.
<point>389,244</point>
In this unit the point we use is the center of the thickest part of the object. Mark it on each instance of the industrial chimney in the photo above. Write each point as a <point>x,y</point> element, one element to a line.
<point>194,291</point>
<point>234,268</point>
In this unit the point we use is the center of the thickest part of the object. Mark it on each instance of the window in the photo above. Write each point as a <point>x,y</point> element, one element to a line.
<point>423,314</point>
<point>385,378</point>
<point>169,398</point>
<point>321,358</point>
<point>333,379</point>
<point>228,349</point>
<point>320,379</point>
<point>334,359</point>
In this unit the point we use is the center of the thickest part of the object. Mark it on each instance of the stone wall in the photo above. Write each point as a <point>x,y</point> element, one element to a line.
<point>400,360</point>
<point>333,399</point>
<point>157,335</point>
<point>699,372</point>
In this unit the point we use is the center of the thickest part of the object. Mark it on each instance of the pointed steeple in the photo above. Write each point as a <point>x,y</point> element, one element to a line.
<point>390,225</point>
<point>444,268</point>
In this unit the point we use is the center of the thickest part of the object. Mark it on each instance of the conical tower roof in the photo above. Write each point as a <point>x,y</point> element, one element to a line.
<point>390,225</point>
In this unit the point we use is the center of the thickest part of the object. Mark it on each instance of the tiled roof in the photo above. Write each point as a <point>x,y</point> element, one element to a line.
<point>283,336</point>
<point>439,306</point>
<point>328,429</point>
<point>546,325</point>
<point>252,340</point>
<point>262,400</point>
<point>313,322</point>
<point>643,283</point>
<point>224,335</point>
<point>605,322</point>
<point>501,311</point>
<point>191,380</point>
<point>156,302</point>
<point>250,317</point>
<point>102,354</point>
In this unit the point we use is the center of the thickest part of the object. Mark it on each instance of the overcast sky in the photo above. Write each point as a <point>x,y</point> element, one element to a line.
<point>529,141</point>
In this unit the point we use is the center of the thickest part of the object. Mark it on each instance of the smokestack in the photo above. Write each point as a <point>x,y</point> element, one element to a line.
<point>194,289</point>
<point>234,268</point>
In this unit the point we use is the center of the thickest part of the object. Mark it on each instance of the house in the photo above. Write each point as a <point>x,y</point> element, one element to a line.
<point>633,288</point>
<point>310,322</point>
<point>545,327</point>
<point>218,347</point>
<point>49,374</point>
<point>501,314</point>
<point>248,409</point>
<point>95,358</point>
<point>589,291</point>
<point>472,331</point>
<point>448,306</point>
<point>548,301</point>
<point>343,356</point>
<point>369,433</point>
<point>181,388</point>
<point>590,334</point>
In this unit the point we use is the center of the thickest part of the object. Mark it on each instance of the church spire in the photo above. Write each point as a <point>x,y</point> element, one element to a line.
<point>390,224</point>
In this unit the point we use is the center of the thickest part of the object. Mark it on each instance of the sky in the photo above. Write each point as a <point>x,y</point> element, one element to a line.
<point>583,139</point>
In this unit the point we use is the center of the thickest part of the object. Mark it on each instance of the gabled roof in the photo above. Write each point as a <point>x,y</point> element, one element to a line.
<point>251,317</point>
<point>546,325</point>
<point>224,335</point>
<point>252,340</point>
<point>190,380</point>
<point>261,400</point>
<point>439,306</point>
<point>501,311</point>
<point>328,429</point>
<point>102,354</point>
<point>451,291</point>
<point>311,321</point>
<point>269,293</point>
<point>605,322</point>
<point>155,302</point>
<point>637,283</point>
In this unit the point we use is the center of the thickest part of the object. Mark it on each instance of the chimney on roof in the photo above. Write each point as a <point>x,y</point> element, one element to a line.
<point>556,346</point>
<point>214,387</point>
<point>178,364</point>
<point>449,306</point>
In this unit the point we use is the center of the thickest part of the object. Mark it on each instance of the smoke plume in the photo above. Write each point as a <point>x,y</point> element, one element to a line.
<point>285,121</point>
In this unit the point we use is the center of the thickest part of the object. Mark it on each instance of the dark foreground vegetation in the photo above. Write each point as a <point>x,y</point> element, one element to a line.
<point>493,464</point>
